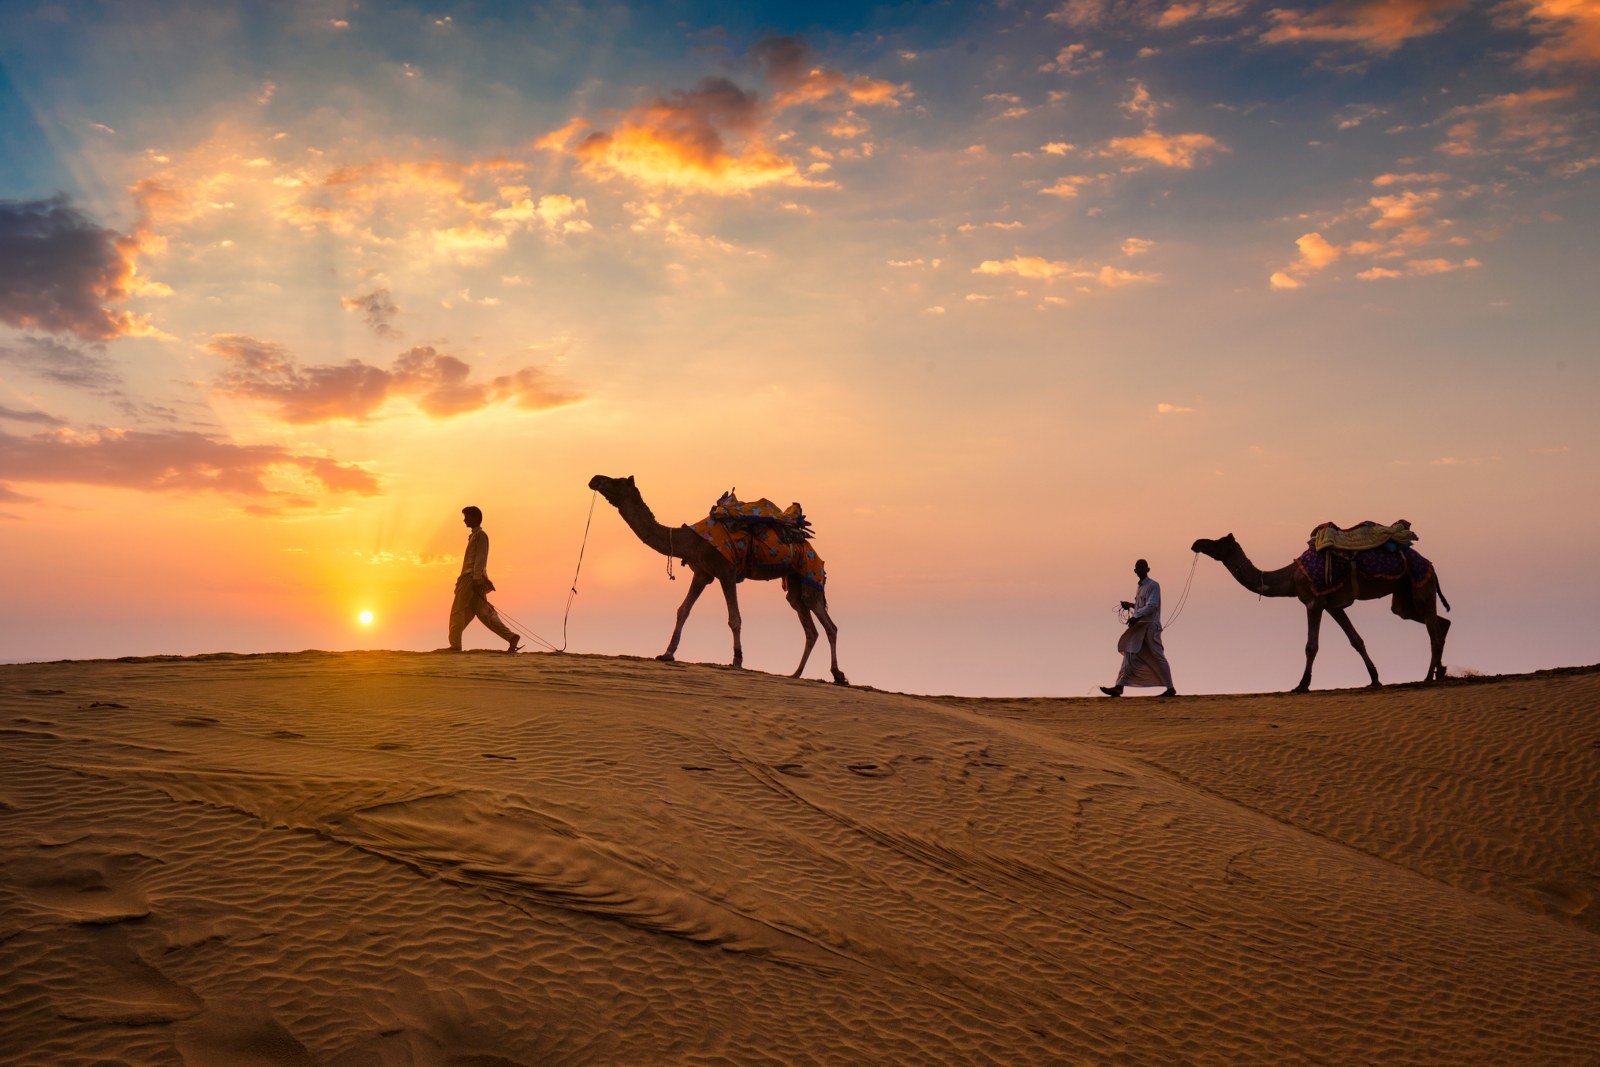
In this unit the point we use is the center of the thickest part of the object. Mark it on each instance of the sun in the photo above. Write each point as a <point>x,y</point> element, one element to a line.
<point>366,618</point>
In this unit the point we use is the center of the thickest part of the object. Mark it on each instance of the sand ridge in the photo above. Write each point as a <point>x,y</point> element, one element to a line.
<point>393,858</point>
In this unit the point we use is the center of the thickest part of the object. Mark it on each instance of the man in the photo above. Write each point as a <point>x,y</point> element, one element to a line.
<point>473,586</point>
<point>1144,661</point>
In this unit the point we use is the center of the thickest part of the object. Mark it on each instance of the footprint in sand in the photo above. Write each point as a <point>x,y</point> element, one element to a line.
<point>45,692</point>
<point>391,746</point>
<point>196,720</point>
<point>288,735</point>
<point>871,770</point>
<point>108,704</point>
<point>496,755</point>
<point>793,770</point>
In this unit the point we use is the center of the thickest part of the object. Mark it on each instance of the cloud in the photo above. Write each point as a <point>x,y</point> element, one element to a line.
<point>1039,268</point>
<point>377,308</point>
<point>1378,26</point>
<point>1182,151</point>
<point>1165,408</point>
<point>1067,187</point>
<point>424,209</point>
<point>1416,268</point>
<point>1158,14</point>
<point>717,137</point>
<point>176,461</point>
<point>1568,31</point>
<point>1141,103</point>
<point>59,271</point>
<point>1315,251</point>
<point>1077,58</point>
<point>439,384</point>
<point>1280,280</point>
<point>39,417</point>
<point>1136,246</point>
<point>63,364</point>
<point>1530,124</point>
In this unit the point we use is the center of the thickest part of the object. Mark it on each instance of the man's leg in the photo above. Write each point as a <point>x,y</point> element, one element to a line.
<point>460,614</point>
<point>491,618</point>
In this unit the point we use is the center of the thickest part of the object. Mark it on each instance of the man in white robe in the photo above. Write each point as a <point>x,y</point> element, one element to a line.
<point>473,585</point>
<point>1144,660</point>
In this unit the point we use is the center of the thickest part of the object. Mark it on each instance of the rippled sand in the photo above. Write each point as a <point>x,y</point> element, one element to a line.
<point>395,858</point>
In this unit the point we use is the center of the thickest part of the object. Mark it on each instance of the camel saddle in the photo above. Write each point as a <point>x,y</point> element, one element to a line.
<point>1362,537</point>
<point>756,533</point>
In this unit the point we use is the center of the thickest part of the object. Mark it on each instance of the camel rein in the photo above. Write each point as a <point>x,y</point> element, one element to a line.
<point>572,592</point>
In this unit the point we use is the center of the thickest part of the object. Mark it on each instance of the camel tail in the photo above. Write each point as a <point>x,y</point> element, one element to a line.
<point>1440,588</point>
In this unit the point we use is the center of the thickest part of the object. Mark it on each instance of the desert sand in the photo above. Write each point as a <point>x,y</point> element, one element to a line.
<point>398,858</point>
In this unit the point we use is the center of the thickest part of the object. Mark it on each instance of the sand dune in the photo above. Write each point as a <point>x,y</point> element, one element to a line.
<point>392,858</point>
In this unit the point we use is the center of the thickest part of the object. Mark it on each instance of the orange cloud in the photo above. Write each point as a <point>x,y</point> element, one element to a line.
<point>426,208</point>
<point>718,138</point>
<point>177,461</point>
<point>439,384</point>
<point>1039,268</point>
<point>1165,408</point>
<point>1379,26</point>
<point>1416,268</point>
<point>1182,151</point>
<point>1569,32</point>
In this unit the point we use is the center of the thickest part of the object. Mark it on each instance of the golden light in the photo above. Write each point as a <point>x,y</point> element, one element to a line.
<point>366,618</point>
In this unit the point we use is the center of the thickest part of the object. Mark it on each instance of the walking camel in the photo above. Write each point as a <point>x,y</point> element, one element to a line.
<point>1411,601</point>
<point>708,564</point>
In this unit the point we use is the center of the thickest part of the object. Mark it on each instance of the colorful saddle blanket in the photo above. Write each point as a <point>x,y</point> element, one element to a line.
<point>1361,537</point>
<point>1329,570</point>
<point>752,534</point>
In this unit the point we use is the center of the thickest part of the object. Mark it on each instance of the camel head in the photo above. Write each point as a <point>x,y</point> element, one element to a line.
<point>615,490</point>
<point>1217,549</point>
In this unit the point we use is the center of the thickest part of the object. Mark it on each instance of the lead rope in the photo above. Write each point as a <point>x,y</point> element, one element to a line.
<point>1183,598</point>
<point>572,593</point>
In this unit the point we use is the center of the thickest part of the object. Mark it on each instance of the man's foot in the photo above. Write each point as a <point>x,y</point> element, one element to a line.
<point>1111,690</point>
<point>516,643</point>
<point>1171,692</point>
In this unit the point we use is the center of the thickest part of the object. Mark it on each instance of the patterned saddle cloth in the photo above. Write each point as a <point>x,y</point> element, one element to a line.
<point>1328,570</point>
<point>756,533</point>
<point>1361,537</point>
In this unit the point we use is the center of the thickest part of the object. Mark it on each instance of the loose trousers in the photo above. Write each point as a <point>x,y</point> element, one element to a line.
<point>471,604</point>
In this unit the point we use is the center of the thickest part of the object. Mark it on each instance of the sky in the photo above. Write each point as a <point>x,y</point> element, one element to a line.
<point>1007,295</point>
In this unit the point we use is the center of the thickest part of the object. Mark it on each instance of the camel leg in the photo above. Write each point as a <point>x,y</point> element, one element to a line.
<point>1356,643</point>
<point>819,605</point>
<point>1438,628</point>
<point>1313,625</point>
<point>730,590</point>
<point>797,602</point>
<point>696,587</point>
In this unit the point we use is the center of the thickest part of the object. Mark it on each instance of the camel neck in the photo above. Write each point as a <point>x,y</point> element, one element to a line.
<point>1263,583</point>
<point>642,521</point>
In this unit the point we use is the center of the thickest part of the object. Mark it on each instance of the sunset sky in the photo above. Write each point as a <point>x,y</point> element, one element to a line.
<point>1006,294</point>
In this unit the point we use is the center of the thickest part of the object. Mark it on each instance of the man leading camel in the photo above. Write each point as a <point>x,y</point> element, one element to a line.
<point>473,586</point>
<point>1144,661</point>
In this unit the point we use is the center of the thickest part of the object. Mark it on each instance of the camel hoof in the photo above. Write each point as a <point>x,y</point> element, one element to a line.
<point>840,679</point>
<point>1301,689</point>
<point>1375,685</point>
<point>666,657</point>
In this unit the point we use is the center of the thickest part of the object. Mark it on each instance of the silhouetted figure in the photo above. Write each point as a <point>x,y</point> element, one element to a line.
<point>1144,661</point>
<point>473,586</point>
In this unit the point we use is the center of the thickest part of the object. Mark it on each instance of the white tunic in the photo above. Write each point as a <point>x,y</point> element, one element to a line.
<point>1144,660</point>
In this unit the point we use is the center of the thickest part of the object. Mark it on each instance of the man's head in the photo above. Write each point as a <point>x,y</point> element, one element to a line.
<point>472,516</point>
<point>1142,569</point>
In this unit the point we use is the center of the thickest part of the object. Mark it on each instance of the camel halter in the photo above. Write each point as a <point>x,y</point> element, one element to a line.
<point>571,593</point>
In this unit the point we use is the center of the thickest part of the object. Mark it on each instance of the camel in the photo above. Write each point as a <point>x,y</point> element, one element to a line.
<point>707,564</point>
<point>1410,602</point>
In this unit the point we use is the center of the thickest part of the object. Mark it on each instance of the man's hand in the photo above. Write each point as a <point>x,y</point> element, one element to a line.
<point>1127,605</point>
